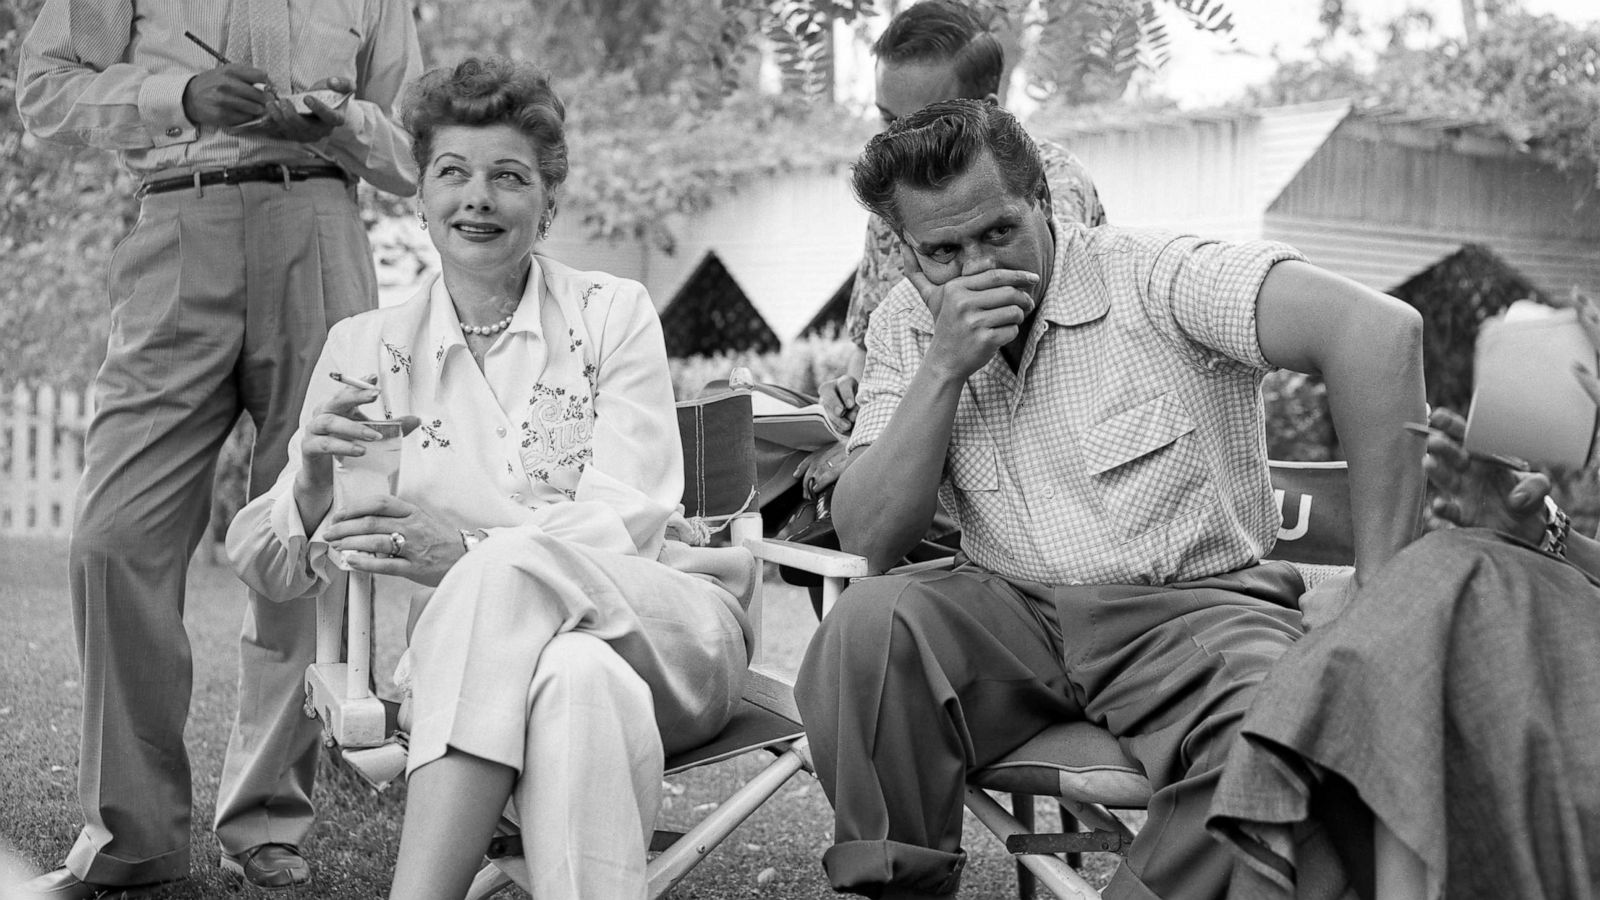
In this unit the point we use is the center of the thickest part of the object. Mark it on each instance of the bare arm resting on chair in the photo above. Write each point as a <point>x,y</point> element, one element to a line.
<point>1367,346</point>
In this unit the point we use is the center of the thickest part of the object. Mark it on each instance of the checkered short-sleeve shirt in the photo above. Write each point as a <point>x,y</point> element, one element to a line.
<point>1129,447</point>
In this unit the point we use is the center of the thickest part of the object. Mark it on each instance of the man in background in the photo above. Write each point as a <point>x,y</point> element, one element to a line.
<point>249,245</point>
<point>934,50</point>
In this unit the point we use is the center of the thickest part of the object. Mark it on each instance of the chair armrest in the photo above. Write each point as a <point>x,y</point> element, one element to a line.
<point>927,565</point>
<point>816,560</point>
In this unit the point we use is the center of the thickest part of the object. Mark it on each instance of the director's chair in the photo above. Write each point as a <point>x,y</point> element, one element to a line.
<point>720,494</point>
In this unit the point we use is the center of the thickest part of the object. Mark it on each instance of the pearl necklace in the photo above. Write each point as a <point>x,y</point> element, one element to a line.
<point>486,330</point>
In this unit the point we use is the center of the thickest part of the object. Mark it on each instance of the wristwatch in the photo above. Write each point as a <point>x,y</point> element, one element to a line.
<point>1557,524</point>
<point>472,537</point>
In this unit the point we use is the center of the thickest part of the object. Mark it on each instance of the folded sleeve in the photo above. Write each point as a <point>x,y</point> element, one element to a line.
<point>894,352</point>
<point>74,87</point>
<point>1204,292</point>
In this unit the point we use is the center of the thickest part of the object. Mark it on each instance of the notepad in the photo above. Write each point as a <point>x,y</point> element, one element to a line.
<point>797,427</point>
<point>1525,401</point>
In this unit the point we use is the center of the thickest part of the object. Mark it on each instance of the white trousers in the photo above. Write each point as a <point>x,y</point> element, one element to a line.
<point>586,824</point>
<point>580,668</point>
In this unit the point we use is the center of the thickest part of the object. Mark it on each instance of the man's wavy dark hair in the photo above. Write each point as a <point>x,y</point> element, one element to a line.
<point>929,148</point>
<point>936,31</point>
<point>489,90</point>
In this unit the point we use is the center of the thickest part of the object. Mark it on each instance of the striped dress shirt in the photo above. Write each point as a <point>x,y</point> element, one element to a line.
<point>111,74</point>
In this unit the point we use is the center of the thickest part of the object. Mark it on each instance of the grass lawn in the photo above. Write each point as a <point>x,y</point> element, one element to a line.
<point>774,855</point>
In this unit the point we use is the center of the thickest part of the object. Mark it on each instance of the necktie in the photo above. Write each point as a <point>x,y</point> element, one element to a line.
<point>258,34</point>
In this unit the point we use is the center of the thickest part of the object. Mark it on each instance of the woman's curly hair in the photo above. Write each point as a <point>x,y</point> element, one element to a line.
<point>489,90</point>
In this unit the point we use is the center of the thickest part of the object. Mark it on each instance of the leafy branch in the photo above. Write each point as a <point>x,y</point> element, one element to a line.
<point>1089,50</point>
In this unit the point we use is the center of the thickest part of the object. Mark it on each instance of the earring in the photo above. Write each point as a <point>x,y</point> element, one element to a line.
<point>544,228</point>
<point>422,220</point>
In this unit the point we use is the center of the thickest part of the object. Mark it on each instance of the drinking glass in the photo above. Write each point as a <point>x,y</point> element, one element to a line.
<point>375,472</point>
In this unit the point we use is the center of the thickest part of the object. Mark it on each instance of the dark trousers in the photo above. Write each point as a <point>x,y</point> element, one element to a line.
<point>220,304</point>
<point>914,681</point>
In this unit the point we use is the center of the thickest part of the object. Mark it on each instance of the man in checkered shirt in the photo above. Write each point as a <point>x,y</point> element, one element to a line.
<point>1087,402</point>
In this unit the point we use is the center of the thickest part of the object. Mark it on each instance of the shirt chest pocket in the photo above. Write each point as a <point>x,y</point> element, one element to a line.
<point>973,468</point>
<point>973,473</point>
<point>1146,466</point>
<point>329,41</point>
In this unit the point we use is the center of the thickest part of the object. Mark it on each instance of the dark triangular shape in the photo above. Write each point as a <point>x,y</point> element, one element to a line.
<point>710,314</point>
<point>1455,295</point>
<point>830,319</point>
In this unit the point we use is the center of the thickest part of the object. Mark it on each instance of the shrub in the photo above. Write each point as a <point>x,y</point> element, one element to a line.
<point>802,366</point>
<point>1298,425</point>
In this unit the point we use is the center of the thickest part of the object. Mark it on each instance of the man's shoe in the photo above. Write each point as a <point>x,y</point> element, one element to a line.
<point>269,866</point>
<point>63,885</point>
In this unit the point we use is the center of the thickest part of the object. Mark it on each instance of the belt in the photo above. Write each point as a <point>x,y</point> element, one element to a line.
<point>241,174</point>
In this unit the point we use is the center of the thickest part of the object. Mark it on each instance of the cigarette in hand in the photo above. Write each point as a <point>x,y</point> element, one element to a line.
<point>352,382</point>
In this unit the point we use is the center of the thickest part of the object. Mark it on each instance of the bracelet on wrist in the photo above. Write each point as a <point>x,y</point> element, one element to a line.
<point>472,537</point>
<point>1557,525</point>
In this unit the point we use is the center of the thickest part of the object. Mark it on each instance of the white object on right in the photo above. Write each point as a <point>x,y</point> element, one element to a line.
<point>1526,402</point>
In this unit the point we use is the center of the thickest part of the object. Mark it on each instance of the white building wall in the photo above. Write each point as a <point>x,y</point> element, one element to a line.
<point>1192,173</point>
<point>788,241</point>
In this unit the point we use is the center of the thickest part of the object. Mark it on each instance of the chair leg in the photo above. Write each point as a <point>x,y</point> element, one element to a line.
<point>673,864</point>
<point>1071,825</point>
<point>1051,870</point>
<point>1022,809</point>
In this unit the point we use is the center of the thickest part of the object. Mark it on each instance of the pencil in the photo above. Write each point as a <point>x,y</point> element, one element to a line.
<point>263,87</point>
<point>207,48</point>
<point>1509,462</point>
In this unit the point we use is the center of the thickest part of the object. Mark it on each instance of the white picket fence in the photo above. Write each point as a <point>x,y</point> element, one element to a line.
<point>41,458</point>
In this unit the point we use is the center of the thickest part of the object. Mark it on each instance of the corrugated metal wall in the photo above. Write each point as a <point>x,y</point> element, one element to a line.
<point>1195,174</point>
<point>1381,202</point>
<point>1384,256</point>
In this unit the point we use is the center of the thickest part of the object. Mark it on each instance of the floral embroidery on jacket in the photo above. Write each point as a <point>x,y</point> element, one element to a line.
<point>589,292</point>
<point>435,434</point>
<point>398,358</point>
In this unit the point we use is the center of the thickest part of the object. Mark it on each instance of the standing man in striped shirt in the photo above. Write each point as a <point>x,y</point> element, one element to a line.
<point>249,245</point>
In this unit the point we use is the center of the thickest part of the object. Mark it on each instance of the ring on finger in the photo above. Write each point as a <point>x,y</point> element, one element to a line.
<point>398,541</point>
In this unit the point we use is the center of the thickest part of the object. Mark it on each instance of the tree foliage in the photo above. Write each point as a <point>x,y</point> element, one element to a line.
<point>663,120</point>
<point>1089,50</point>
<point>61,211</point>
<point>1536,78</point>
<point>646,162</point>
